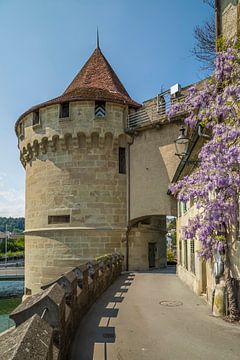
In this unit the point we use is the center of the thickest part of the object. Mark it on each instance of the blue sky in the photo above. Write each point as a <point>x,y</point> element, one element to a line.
<point>45,43</point>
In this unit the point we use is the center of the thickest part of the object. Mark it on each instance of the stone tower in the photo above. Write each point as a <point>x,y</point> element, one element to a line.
<point>74,151</point>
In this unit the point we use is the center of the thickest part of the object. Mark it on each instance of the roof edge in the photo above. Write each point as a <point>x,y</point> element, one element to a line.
<point>59,100</point>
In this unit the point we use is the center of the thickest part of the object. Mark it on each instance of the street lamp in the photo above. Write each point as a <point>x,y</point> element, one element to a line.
<point>181,143</point>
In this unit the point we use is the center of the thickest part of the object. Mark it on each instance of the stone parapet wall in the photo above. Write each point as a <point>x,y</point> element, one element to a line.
<point>46,322</point>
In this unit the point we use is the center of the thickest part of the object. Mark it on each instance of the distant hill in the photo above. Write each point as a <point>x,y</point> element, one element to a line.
<point>16,225</point>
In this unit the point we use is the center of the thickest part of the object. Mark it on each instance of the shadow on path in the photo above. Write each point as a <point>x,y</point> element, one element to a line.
<point>170,270</point>
<point>94,327</point>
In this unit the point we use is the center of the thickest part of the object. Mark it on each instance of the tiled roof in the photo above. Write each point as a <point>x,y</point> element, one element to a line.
<point>95,81</point>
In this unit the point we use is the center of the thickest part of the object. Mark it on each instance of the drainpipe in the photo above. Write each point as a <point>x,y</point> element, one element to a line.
<point>217,20</point>
<point>128,204</point>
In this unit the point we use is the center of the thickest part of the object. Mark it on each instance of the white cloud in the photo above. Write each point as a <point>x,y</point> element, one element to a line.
<point>11,200</point>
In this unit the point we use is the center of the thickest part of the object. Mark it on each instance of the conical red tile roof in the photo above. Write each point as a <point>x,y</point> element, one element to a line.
<point>96,77</point>
<point>95,81</point>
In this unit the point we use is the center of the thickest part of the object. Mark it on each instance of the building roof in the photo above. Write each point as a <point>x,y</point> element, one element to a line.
<point>95,81</point>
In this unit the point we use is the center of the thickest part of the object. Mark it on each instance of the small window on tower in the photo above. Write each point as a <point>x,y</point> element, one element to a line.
<point>122,160</point>
<point>100,108</point>
<point>21,130</point>
<point>59,219</point>
<point>36,118</point>
<point>64,110</point>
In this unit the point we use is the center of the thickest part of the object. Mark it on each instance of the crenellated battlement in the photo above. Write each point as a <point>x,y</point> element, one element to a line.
<point>106,141</point>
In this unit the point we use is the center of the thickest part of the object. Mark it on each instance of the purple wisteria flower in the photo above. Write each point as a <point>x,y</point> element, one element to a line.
<point>215,184</point>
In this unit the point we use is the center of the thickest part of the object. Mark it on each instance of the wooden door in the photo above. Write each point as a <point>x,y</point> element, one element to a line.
<point>151,254</point>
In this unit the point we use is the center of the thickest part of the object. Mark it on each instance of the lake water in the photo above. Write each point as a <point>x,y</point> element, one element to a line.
<point>10,297</point>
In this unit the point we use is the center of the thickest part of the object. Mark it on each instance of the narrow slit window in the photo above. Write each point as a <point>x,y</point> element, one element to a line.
<point>59,219</point>
<point>122,160</point>
<point>180,252</point>
<point>64,110</point>
<point>21,130</point>
<point>192,251</point>
<point>36,118</point>
<point>186,254</point>
<point>100,108</point>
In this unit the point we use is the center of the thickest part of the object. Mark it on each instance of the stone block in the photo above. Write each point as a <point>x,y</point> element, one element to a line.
<point>81,273</point>
<point>50,304</point>
<point>33,339</point>
<point>68,282</point>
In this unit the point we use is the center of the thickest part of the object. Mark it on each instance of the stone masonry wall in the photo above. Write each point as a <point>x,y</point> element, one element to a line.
<point>72,170</point>
<point>230,18</point>
<point>139,239</point>
<point>46,322</point>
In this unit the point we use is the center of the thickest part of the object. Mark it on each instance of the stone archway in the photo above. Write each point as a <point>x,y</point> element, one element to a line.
<point>147,243</point>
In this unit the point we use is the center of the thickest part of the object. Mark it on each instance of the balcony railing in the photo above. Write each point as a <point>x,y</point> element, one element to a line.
<point>155,112</point>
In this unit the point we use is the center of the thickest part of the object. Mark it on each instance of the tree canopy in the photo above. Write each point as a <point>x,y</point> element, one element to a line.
<point>16,225</point>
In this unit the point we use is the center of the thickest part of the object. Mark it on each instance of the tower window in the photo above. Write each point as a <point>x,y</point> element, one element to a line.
<point>122,160</point>
<point>36,118</point>
<point>59,219</point>
<point>21,130</point>
<point>100,108</point>
<point>64,110</point>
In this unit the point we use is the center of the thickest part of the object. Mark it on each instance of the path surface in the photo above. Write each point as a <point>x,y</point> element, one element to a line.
<point>129,323</point>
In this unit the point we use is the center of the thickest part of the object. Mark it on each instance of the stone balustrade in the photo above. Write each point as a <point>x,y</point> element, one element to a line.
<point>46,322</point>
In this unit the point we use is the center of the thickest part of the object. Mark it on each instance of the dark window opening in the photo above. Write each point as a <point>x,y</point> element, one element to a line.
<point>192,251</point>
<point>21,129</point>
<point>180,252</point>
<point>184,205</point>
<point>36,118</point>
<point>122,160</point>
<point>59,219</point>
<point>100,108</point>
<point>64,110</point>
<point>186,254</point>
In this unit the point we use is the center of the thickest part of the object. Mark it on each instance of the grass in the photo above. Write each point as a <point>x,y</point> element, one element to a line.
<point>8,305</point>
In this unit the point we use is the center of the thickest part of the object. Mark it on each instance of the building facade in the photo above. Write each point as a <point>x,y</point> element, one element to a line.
<point>227,18</point>
<point>199,275</point>
<point>98,165</point>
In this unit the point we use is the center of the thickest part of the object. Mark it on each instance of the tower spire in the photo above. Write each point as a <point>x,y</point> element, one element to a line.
<point>97,39</point>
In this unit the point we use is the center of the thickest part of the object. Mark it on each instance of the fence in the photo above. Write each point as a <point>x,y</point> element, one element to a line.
<point>155,112</point>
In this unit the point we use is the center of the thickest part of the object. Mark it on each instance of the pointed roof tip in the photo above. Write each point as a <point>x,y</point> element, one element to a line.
<point>98,47</point>
<point>97,80</point>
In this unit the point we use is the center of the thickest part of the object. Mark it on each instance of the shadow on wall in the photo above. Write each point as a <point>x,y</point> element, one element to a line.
<point>153,164</point>
<point>94,333</point>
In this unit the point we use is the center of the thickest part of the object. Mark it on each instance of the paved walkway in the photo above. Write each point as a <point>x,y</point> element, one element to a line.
<point>132,322</point>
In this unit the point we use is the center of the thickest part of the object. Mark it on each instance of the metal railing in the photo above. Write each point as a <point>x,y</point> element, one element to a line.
<point>155,112</point>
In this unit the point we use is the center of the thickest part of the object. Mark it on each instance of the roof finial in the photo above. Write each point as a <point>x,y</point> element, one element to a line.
<point>97,39</point>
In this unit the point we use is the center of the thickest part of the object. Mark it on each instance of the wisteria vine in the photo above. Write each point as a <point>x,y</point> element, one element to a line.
<point>214,185</point>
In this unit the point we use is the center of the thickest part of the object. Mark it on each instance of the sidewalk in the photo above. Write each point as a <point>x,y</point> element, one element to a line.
<point>153,316</point>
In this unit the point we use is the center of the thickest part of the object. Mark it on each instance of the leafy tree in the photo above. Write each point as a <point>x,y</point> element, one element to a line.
<point>215,183</point>
<point>12,224</point>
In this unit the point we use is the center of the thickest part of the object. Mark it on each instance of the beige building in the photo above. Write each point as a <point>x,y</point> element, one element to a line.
<point>200,275</point>
<point>227,18</point>
<point>98,165</point>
